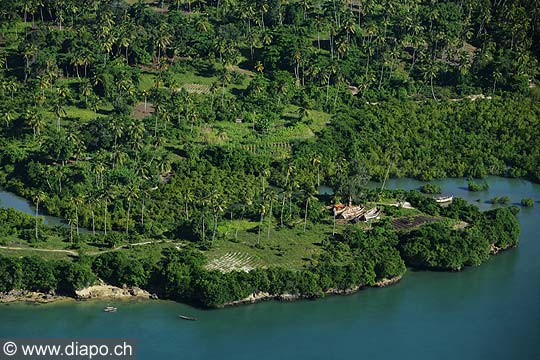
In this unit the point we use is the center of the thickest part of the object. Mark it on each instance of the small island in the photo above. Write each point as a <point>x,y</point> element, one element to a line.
<point>351,247</point>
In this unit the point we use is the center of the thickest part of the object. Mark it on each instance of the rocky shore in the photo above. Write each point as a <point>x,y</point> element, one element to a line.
<point>30,296</point>
<point>96,292</point>
<point>265,296</point>
<point>111,292</point>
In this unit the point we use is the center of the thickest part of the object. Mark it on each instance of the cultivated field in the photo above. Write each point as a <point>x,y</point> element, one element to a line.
<point>233,261</point>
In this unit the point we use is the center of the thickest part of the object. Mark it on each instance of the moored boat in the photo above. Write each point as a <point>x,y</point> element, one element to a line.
<point>372,214</point>
<point>190,318</point>
<point>110,309</point>
<point>444,199</point>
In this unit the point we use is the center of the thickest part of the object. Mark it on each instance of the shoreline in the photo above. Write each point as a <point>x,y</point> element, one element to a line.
<point>96,292</point>
<point>265,296</point>
<point>109,292</point>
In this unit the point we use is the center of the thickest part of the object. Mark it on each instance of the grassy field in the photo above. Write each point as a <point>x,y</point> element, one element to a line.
<point>288,247</point>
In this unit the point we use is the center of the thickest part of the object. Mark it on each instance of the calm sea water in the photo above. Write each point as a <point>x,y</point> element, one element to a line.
<point>488,312</point>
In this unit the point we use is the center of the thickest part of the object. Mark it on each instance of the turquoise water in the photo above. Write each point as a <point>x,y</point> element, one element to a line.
<point>488,312</point>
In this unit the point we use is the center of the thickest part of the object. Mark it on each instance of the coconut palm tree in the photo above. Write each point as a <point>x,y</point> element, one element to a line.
<point>262,211</point>
<point>35,121</point>
<point>336,200</point>
<point>29,51</point>
<point>106,196</point>
<point>225,78</point>
<point>38,197</point>
<point>189,197</point>
<point>163,39</point>
<point>272,195</point>
<point>246,202</point>
<point>77,201</point>
<point>145,93</point>
<point>86,91</point>
<point>91,198</point>
<point>317,163</point>
<point>131,193</point>
<point>290,170</point>
<point>309,195</point>
<point>430,72</point>
<point>259,67</point>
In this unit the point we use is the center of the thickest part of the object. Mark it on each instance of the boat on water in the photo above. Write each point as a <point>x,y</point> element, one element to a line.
<point>110,309</point>
<point>444,199</point>
<point>189,318</point>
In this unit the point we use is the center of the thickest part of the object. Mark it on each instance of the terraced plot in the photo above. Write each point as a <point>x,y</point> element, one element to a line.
<point>197,88</point>
<point>233,261</point>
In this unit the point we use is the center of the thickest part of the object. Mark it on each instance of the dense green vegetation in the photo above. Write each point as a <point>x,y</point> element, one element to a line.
<point>430,189</point>
<point>355,258</point>
<point>214,123</point>
<point>527,202</point>
<point>475,186</point>
<point>503,200</point>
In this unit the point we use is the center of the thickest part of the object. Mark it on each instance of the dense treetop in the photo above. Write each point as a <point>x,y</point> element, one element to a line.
<point>208,121</point>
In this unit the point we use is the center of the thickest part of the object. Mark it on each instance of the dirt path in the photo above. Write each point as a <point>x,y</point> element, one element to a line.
<point>71,252</point>
<point>76,253</point>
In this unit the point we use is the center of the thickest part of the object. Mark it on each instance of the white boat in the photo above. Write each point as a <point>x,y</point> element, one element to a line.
<point>444,199</point>
<point>372,214</point>
<point>110,309</point>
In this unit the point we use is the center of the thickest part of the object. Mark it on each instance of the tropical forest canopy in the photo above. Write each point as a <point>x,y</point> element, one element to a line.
<point>203,120</point>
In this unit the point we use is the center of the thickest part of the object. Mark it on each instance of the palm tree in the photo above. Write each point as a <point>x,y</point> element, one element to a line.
<point>163,39</point>
<point>76,61</point>
<point>225,79</point>
<point>30,115</point>
<point>264,9</point>
<point>290,170</point>
<point>11,85</point>
<point>92,200</point>
<point>430,72</point>
<point>117,129</point>
<point>35,121</point>
<point>309,195</point>
<point>497,76</point>
<point>132,192</point>
<point>145,191</point>
<point>317,162</point>
<point>218,205</point>
<point>248,200</point>
<point>189,197</point>
<point>145,93</point>
<point>38,197</point>
<point>29,52</point>
<point>62,93</point>
<point>259,67</point>
<point>86,91</point>
<point>8,118</point>
<point>77,201</point>
<point>319,22</point>
<point>3,60</point>
<point>262,210</point>
<point>106,196</point>
<point>336,201</point>
<point>306,4</point>
<point>272,195</point>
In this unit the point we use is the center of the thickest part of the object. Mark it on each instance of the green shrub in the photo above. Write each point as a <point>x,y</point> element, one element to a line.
<point>430,189</point>
<point>527,202</point>
<point>474,186</point>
